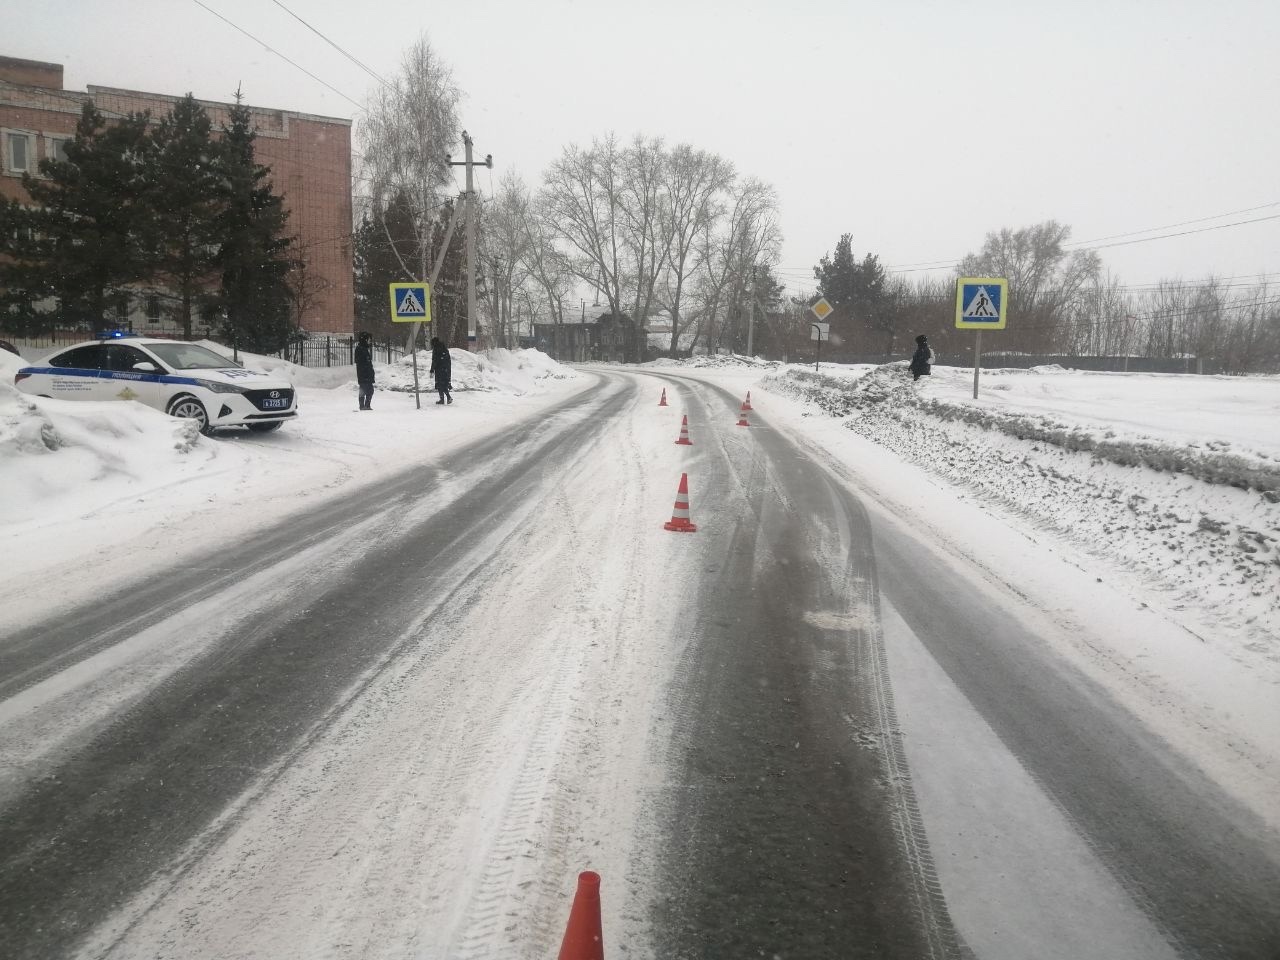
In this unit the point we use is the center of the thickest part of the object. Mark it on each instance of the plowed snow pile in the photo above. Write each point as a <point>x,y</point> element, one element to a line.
<point>1175,477</point>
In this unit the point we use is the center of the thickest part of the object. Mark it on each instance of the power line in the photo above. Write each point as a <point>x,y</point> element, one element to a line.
<point>270,49</point>
<point>1170,226</point>
<point>358,63</point>
<point>1097,244</point>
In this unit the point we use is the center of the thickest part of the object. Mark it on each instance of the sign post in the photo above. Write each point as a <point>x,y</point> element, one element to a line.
<point>411,303</point>
<point>820,331</point>
<point>981,303</point>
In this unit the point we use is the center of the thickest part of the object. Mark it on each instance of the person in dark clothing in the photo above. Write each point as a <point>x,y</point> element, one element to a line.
<point>922,359</point>
<point>442,367</point>
<point>364,370</point>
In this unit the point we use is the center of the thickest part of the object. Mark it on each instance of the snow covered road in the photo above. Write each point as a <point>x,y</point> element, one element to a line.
<point>400,729</point>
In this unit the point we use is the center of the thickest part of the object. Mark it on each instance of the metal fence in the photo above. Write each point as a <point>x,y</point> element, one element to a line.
<point>336,351</point>
<point>316,350</point>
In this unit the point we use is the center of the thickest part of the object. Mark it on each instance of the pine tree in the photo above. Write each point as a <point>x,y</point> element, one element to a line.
<point>89,233</point>
<point>856,290</point>
<point>185,181</point>
<point>253,256</point>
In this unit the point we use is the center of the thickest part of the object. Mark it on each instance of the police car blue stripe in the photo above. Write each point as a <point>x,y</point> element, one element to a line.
<point>110,375</point>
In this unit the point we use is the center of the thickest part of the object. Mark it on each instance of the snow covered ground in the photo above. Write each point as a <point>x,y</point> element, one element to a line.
<point>94,491</point>
<point>1139,514</point>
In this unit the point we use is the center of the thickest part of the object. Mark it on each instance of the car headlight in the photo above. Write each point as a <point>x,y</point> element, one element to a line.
<point>218,387</point>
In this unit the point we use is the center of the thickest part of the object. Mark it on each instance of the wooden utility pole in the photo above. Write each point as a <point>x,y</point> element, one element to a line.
<point>473,210</point>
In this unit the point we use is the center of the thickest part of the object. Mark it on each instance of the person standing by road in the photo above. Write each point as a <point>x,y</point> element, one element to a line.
<point>442,367</point>
<point>364,370</point>
<point>922,359</point>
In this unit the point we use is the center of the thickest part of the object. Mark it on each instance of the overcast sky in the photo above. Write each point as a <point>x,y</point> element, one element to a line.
<point>915,126</point>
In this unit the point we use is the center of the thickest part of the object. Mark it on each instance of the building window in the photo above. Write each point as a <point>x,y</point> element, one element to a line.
<point>19,152</point>
<point>55,148</point>
<point>153,309</point>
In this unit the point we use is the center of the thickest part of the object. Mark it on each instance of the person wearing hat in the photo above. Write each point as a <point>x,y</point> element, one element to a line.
<point>364,370</point>
<point>922,359</point>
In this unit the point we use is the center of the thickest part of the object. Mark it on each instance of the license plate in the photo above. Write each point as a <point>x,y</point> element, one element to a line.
<point>279,404</point>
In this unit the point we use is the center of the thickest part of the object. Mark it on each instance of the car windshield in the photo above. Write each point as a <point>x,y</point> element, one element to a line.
<point>189,356</point>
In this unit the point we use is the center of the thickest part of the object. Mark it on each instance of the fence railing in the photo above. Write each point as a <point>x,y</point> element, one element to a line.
<point>317,350</point>
<point>322,350</point>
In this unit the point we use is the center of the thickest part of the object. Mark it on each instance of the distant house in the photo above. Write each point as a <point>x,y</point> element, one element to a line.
<point>606,338</point>
<point>309,157</point>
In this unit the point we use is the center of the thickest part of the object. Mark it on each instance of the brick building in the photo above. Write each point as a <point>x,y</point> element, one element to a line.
<point>309,157</point>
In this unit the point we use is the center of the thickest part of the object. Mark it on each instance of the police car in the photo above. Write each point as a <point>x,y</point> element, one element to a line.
<point>182,379</point>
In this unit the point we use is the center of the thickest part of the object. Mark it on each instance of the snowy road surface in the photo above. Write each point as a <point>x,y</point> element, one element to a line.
<point>402,727</point>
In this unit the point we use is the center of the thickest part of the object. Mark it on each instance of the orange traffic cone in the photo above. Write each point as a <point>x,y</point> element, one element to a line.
<point>747,403</point>
<point>583,937</point>
<point>684,440</point>
<point>663,402</point>
<point>742,417</point>
<point>680,515</point>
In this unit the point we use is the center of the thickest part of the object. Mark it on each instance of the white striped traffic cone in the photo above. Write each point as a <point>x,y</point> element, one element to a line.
<point>662,402</point>
<point>680,515</point>
<point>742,417</point>
<point>747,403</point>
<point>684,440</point>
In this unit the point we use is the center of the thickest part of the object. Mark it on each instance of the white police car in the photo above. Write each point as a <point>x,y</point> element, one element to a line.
<point>182,379</point>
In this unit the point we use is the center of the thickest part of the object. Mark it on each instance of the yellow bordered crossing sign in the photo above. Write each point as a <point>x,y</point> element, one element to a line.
<point>410,302</point>
<point>981,303</point>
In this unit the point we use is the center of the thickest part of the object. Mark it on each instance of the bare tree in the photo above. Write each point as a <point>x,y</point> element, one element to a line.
<point>410,126</point>
<point>696,184</point>
<point>548,267</point>
<point>581,200</point>
<point>748,234</point>
<point>503,246</point>
<point>1046,282</point>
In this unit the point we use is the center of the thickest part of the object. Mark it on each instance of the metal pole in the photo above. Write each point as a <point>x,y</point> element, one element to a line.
<point>977,360</point>
<point>818,356</point>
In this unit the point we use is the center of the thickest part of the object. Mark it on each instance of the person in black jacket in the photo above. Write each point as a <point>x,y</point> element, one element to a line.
<point>442,367</point>
<point>364,371</point>
<point>922,359</point>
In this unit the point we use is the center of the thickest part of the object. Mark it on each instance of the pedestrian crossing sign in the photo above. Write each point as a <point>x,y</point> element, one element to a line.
<point>981,303</point>
<point>410,302</point>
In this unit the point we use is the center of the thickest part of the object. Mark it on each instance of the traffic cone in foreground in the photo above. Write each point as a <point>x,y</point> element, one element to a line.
<point>742,417</point>
<point>746,405</point>
<point>680,515</point>
<point>663,401</point>
<point>583,937</point>
<point>684,440</point>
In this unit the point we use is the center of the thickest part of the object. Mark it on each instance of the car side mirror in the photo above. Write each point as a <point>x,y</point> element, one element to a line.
<point>146,366</point>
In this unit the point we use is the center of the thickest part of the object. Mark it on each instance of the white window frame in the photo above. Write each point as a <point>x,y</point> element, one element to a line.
<point>33,162</point>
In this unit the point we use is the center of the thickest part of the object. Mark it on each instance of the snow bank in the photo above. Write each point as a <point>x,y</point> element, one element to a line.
<point>717,362</point>
<point>51,449</point>
<point>514,372</point>
<point>1198,515</point>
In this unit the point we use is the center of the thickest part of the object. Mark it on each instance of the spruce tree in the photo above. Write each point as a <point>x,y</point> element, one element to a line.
<point>88,234</point>
<point>254,255</point>
<point>856,290</point>
<point>187,202</point>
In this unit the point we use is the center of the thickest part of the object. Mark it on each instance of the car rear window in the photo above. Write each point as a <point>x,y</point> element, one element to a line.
<point>88,357</point>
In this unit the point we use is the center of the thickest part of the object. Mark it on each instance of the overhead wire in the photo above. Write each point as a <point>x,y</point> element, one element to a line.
<point>270,49</point>
<point>359,63</point>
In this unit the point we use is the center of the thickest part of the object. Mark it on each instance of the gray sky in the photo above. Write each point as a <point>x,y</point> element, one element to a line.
<point>915,126</point>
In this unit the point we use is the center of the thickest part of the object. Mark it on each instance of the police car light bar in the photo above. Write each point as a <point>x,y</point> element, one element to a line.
<point>115,334</point>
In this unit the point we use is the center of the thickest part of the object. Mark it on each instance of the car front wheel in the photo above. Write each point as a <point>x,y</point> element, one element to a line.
<point>189,408</point>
